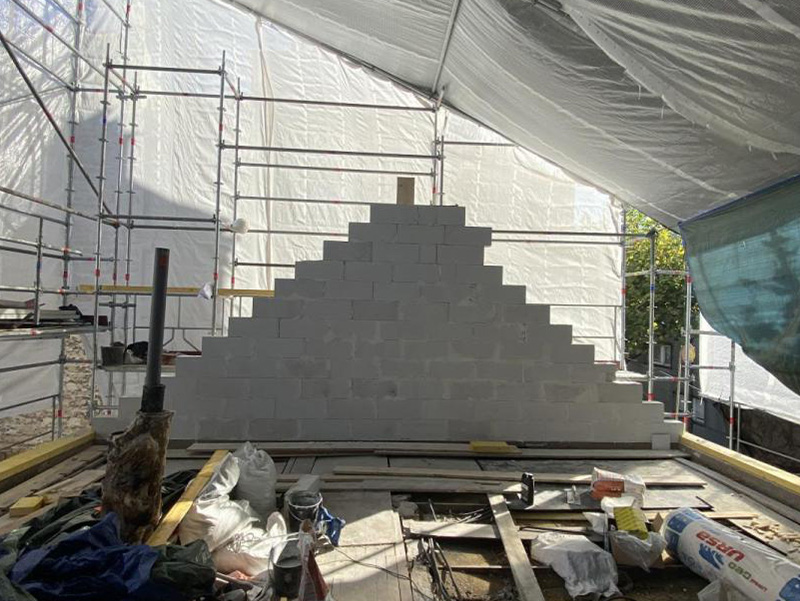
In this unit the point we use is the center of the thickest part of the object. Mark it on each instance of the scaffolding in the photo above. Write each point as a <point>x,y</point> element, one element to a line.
<point>121,297</point>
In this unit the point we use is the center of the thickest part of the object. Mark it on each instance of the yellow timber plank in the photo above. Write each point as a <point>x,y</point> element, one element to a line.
<point>227,292</point>
<point>780,478</point>
<point>39,454</point>
<point>178,511</point>
<point>25,505</point>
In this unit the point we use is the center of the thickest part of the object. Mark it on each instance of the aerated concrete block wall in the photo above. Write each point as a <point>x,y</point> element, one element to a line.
<point>402,333</point>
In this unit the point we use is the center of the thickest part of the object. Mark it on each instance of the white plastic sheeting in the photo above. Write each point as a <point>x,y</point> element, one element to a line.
<point>674,107</point>
<point>175,167</point>
<point>754,386</point>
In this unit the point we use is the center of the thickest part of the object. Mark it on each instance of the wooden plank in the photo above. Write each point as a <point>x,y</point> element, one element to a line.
<point>418,529</point>
<point>496,476</point>
<point>25,506</point>
<point>57,473</point>
<point>13,469</point>
<point>366,573</point>
<point>576,516</point>
<point>369,516</point>
<point>8,524</point>
<point>527,586</point>
<point>170,522</point>
<point>775,476</point>
<point>327,465</point>
<point>75,485</point>
<point>415,485</point>
<point>440,463</point>
<point>543,454</point>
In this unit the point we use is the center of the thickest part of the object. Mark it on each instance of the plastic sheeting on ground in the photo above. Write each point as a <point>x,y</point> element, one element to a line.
<point>745,263</point>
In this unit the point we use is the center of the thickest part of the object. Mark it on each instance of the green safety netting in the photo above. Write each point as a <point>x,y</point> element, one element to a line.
<point>745,262</point>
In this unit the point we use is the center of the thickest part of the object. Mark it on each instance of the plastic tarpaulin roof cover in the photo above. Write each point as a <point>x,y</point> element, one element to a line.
<point>675,107</point>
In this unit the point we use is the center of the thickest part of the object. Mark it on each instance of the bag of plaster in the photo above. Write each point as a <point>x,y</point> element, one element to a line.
<point>611,484</point>
<point>250,550</point>
<point>214,517</point>
<point>586,568</point>
<point>257,479</point>
<point>631,550</point>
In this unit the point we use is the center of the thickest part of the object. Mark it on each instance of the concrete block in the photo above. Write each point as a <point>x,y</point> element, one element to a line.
<point>500,332</point>
<point>399,409</point>
<point>329,309</point>
<point>487,275</point>
<point>415,272</point>
<point>393,213</point>
<point>653,411</point>
<point>482,312</point>
<point>374,389</point>
<point>279,347</point>
<point>466,430</point>
<point>324,429</point>
<point>420,234</point>
<point>247,327</point>
<point>478,390</point>
<point>191,367</point>
<point>555,392</point>
<point>351,409</point>
<point>548,372</point>
<point>512,391</point>
<point>335,347</point>
<point>422,430</point>
<point>499,370</point>
<point>397,291</point>
<point>299,288</point>
<point>222,429</point>
<point>421,388</point>
<point>452,370</point>
<point>450,215</point>
<point>356,368</point>
<point>661,442</point>
<point>302,410</point>
<point>303,367</point>
<point>304,327</point>
<point>474,349</point>
<point>248,407</point>
<point>546,413</point>
<point>343,289</point>
<point>511,295</point>
<point>449,409</point>
<point>283,390</point>
<point>388,349</point>
<point>468,236</point>
<point>218,389</point>
<point>373,232</point>
<point>388,330</point>
<point>425,349</point>
<point>272,429</point>
<point>497,410</point>
<point>351,329</point>
<point>573,353</point>
<point>319,270</point>
<point>422,311</point>
<point>270,308</point>
<point>620,392</point>
<point>368,272</point>
<point>402,368</point>
<point>529,350</point>
<point>446,292</point>
<point>395,253</point>
<point>595,373</point>
<point>250,367</point>
<point>334,250</point>
<point>375,310</point>
<point>427,253</point>
<point>373,429</point>
<point>531,314</point>
<point>458,254</point>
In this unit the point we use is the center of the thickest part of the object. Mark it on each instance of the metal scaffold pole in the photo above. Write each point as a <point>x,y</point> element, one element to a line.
<point>651,344</point>
<point>99,232</point>
<point>236,134</point>
<point>218,198</point>
<point>128,242</point>
<point>686,358</point>
<point>732,402</point>
<point>624,289</point>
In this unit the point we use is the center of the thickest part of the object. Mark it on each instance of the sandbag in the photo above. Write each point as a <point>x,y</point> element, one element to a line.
<point>257,479</point>
<point>250,550</point>
<point>586,568</point>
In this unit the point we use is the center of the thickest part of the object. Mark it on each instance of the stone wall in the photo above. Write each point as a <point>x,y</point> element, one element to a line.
<point>402,333</point>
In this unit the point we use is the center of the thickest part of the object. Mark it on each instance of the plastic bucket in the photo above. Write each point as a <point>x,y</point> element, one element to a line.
<point>287,568</point>
<point>303,505</point>
<point>112,355</point>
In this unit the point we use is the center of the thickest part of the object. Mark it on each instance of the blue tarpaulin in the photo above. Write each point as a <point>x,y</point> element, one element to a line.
<point>744,259</point>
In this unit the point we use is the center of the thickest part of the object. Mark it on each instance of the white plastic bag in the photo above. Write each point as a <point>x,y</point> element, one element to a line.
<point>214,517</point>
<point>257,479</point>
<point>630,550</point>
<point>249,551</point>
<point>586,568</point>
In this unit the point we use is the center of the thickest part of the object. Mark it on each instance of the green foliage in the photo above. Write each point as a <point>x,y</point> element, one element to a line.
<point>670,298</point>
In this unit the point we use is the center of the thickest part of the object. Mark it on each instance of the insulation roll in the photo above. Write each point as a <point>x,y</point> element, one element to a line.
<point>718,553</point>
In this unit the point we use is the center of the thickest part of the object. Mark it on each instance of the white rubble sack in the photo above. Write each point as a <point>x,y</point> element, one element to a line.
<point>250,550</point>
<point>586,568</point>
<point>257,479</point>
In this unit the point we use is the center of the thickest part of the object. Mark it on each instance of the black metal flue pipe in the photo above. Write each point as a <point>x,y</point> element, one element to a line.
<point>153,392</point>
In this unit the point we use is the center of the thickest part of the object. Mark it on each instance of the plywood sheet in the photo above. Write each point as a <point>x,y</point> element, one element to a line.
<point>443,463</point>
<point>326,465</point>
<point>381,575</point>
<point>369,516</point>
